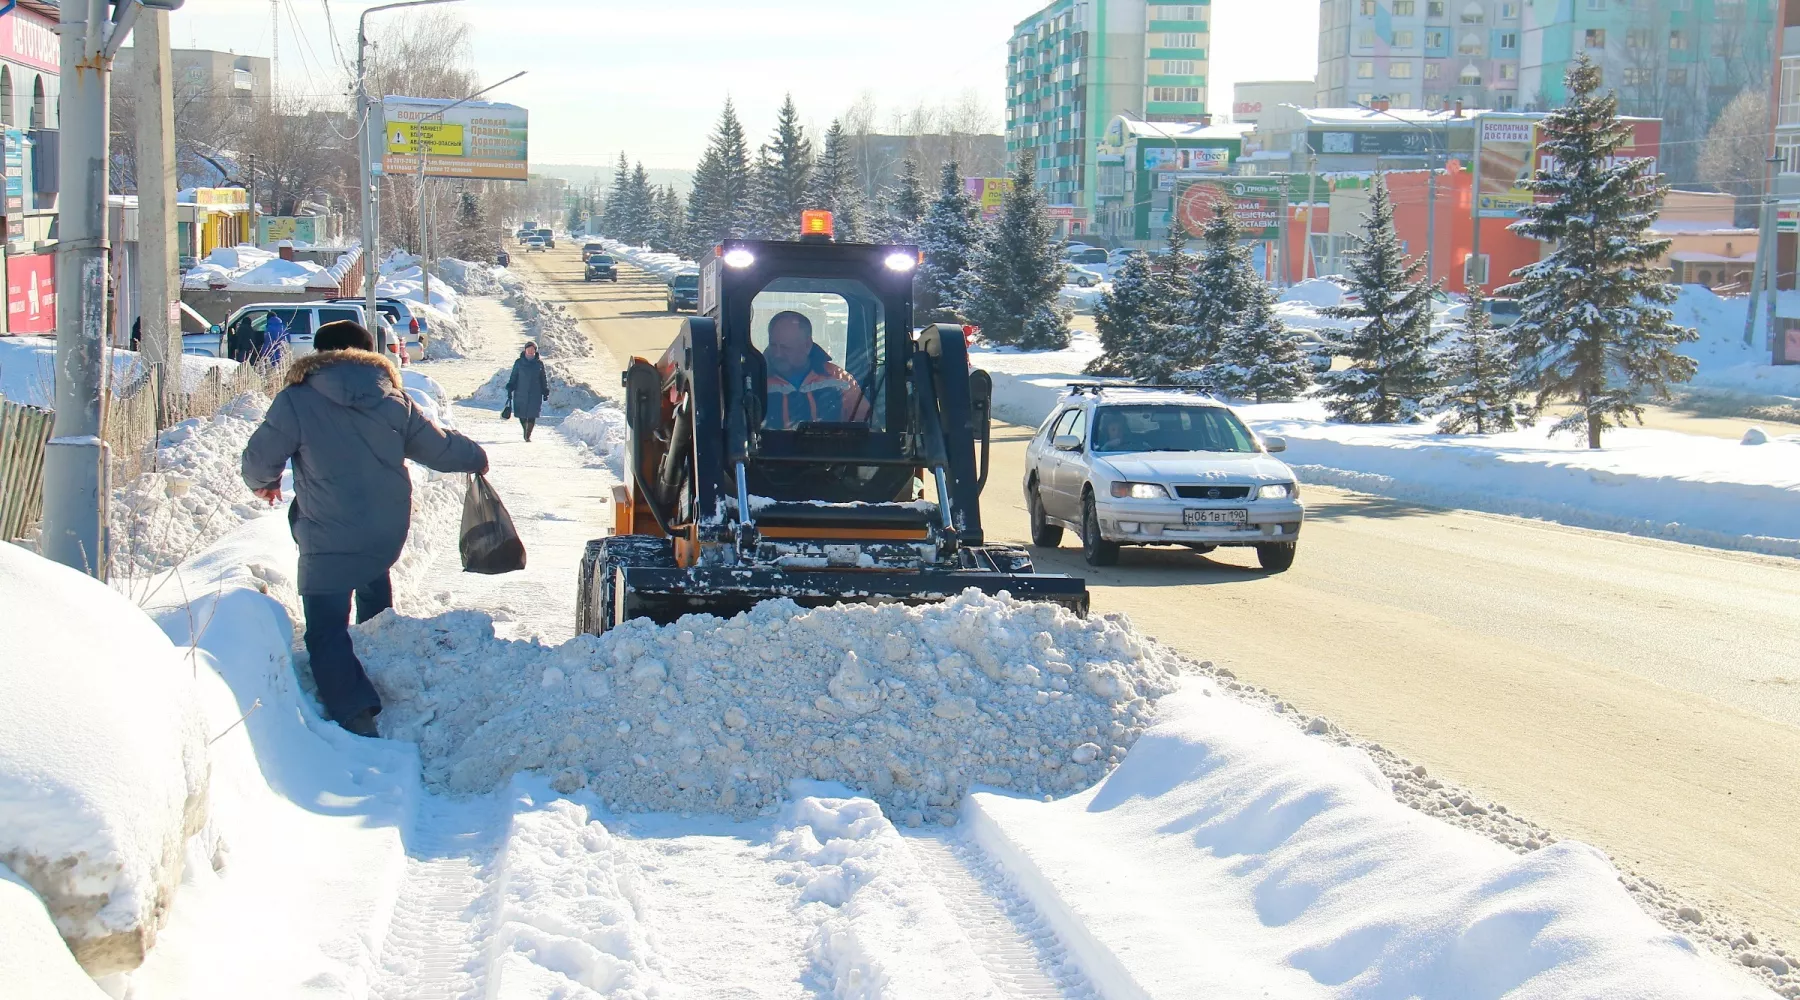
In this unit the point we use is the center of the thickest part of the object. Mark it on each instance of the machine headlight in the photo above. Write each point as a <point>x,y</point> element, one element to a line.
<point>1276,491</point>
<point>901,262</point>
<point>739,257</point>
<point>1140,491</point>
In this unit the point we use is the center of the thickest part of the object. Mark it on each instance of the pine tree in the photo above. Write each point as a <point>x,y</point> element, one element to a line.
<point>718,204</point>
<point>1593,325</point>
<point>1259,358</point>
<point>1390,373</point>
<point>670,221</point>
<point>1126,320</point>
<point>903,207</point>
<point>783,176</point>
<point>1220,292</point>
<point>618,199</point>
<point>834,186</point>
<point>1172,348</point>
<point>1019,271</point>
<point>947,238</point>
<point>1478,391</point>
<point>638,217</point>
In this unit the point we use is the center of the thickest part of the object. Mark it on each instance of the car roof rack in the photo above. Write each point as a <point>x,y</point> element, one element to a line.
<point>1096,388</point>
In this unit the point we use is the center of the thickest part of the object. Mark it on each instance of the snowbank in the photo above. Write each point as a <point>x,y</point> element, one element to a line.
<point>602,429</point>
<point>1082,299</point>
<point>567,390</point>
<point>1315,292</point>
<point>911,705</point>
<point>35,962</point>
<point>103,759</point>
<point>193,494</point>
<point>1725,362</point>
<point>1232,855</point>
<point>28,369</point>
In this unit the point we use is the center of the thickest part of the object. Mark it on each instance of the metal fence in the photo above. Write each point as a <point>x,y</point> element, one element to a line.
<point>130,426</point>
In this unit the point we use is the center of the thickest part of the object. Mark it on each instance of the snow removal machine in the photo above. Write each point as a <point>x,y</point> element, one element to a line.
<point>800,439</point>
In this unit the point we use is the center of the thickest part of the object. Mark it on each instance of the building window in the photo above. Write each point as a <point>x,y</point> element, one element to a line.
<point>1368,8</point>
<point>1434,39</point>
<point>1678,41</point>
<point>1509,41</point>
<point>1365,39</point>
<point>1507,102</point>
<point>1400,71</point>
<point>1509,71</point>
<point>1403,39</point>
<point>1403,8</point>
<point>1178,67</point>
<point>1434,8</point>
<point>1183,40</point>
<point>1365,70</point>
<point>1787,147</point>
<point>1165,12</point>
<point>1596,4</point>
<point>1678,77</point>
<point>1471,77</point>
<point>1175,95</point>
<point>1434,100</point>
<point>1470,44</point>
<point>1722,46</point>
<point>1594,38</point>
<point>1637,76</point>
<point>1434,71</point>
<point>1790,91</point>
<point>1509,10</point>
<point>1363,100</point>
<point>1473,14</point>
<point>1637,39</point>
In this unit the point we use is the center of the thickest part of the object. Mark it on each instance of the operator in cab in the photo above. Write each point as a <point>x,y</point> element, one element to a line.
<point>804,384</point>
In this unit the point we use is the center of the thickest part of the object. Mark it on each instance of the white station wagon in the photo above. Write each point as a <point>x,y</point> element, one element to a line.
<point>1119,465</point>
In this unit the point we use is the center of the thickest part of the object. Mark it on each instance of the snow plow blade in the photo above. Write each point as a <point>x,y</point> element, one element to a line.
<point>664,594</point>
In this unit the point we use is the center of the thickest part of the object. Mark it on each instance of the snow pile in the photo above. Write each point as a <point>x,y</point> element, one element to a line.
<point>602,429</point>
<point>1725,362</point>
<point>1311,880</point>
<point>245,268</point>
<point>28,370</point>
<point>278,273</point>
<point>1081,299</point>
<point>556,332</point>
<point>103,758</point>
<point>470,277</point>
<point>192,496</point>
<point>35,961</point>
<point>408,282</point>
<point>1316,292</point>
<point>911,705</point>
<point>429,395</point>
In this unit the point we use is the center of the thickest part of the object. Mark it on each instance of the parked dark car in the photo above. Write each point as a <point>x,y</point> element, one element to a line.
<point>684,292</point>
<point>601,267</point>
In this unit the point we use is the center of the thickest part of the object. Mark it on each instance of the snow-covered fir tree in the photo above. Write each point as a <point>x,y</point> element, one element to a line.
<point>1390,376</point>
<point>1219,291</point>
<point>1593,326</point>
<point>612,217</point>
<point>903,206</point>
<point>783,177</point>
<point>1126,319</point>
<point>947,238</point>
<point>1259,357</point>
<point>1478,392</point>
<point>638,216</point>
<point>670,220</point>
<point>1019,271</point>
<point>834,186</point>
<point>719,202</point>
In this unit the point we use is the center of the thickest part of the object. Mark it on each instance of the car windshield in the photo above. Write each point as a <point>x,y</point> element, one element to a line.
<point>687,281</point>
<point>1169,427</point>
<point>600,259</point>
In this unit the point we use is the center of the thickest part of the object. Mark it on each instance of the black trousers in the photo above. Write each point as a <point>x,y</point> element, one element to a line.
<point>343,686</point>
<point>528,424</point>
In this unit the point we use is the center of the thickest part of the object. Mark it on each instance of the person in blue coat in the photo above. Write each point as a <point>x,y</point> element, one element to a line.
<point>528,387</point>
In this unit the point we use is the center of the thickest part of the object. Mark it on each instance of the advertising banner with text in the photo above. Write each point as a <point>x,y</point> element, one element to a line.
<point>1256,199</point>
<point>476,140</point>
<point>1508,154</point>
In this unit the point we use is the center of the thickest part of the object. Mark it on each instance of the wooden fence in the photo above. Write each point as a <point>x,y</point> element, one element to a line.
<point>130,427</point>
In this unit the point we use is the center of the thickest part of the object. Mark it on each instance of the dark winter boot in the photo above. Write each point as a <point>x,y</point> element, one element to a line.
<point>362,724</point>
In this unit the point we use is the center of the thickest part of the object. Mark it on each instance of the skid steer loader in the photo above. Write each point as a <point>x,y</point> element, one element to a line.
<point>798,468</point>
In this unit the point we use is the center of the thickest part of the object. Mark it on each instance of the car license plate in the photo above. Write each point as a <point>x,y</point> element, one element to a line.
<point>1235,518</point>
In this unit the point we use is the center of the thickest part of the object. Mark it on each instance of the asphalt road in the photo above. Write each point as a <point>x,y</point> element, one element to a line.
<point>1639,695</point>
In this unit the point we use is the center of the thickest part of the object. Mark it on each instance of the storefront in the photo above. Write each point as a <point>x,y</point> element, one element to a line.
<point>1144,165</point>
<point>209,218</point>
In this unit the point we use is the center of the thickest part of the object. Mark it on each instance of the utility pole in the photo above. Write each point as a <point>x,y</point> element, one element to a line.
<point>368,126</point>
<point>1762,279</point>
<point>159,285</point>
<point>252,199</point>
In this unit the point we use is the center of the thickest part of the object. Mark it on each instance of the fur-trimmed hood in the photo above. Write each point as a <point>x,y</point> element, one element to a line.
<point>353,378</point>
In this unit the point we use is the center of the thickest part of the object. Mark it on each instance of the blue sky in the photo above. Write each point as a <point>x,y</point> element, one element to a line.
<point>650,77</point>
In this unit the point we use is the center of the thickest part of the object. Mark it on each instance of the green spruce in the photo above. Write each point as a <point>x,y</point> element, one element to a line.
<point>1259,357</point>
<point>834,186</point>
<point>1479,393</point>
<point>1126,320</point>
<point>1594,328</point>
<point>947,238</point>
<point>1019,271</point>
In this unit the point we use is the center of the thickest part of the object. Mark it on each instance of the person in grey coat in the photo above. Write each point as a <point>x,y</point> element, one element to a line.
<point>528,388</point>
<point>347,426</point>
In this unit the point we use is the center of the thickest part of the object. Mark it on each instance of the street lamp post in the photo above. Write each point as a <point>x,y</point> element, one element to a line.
<point>366,168</point>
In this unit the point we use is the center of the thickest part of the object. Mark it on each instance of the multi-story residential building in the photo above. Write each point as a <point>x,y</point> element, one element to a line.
<point>1420,53</point>
<point>1678,60</point>
<point>237,84</point>
<point>1785,98</point>
<point>1076,64</point>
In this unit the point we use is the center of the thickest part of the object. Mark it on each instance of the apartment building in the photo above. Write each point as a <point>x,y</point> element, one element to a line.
<point>1420,53</point>
<point>1074,65</point>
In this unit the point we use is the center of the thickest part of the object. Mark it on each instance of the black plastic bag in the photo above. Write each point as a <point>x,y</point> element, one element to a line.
<point>490,544</point>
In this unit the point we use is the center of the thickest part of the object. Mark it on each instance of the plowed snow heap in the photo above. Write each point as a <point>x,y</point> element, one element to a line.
<point>911,705</point>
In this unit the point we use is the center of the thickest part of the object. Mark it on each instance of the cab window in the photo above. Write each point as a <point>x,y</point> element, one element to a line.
<point>821,340</point>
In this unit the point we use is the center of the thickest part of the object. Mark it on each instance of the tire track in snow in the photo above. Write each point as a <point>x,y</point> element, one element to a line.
<point>441,919</point>
<point>1020,951</point>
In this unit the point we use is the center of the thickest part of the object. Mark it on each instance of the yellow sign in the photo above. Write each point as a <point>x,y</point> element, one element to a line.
<point>439,138</point>
<point>222,197</point>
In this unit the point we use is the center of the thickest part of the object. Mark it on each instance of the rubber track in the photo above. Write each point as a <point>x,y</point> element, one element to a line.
<point>1017,947</point>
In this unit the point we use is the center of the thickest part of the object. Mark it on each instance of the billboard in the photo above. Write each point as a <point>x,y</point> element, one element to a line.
<point>475,140</point>
<point>31,293</point>
<point>1372,142</point>
<point>987,193</point>
<point>1257,200</point>
<point>1506,156</point>
<point>1187,159</point>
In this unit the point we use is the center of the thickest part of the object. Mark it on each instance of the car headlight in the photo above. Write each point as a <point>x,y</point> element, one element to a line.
<point>1277,491</point>
<point>1140,491</point>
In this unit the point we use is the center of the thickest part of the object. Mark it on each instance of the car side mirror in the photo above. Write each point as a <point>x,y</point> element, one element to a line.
<point>1067,442</point>
<point>1274,444</point>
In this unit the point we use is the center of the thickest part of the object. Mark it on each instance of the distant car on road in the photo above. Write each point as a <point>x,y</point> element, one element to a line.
<point>535,242</point>
<point>1085,277</point>
<point>590,248</point>
<point>548,237</point>
<point>409,321</point>
<point>684,291</point>
<point>601,267</point>
<point>1146,466</point>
